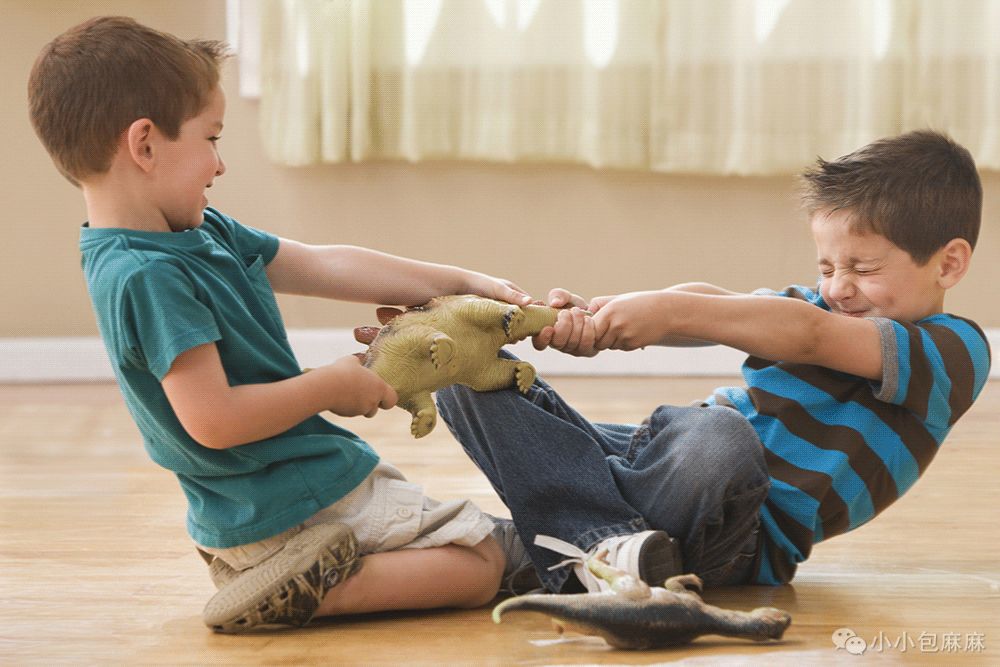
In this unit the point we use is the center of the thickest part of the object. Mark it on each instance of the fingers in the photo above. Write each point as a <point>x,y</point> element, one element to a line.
<point>563,329</point>
<point>605,336</point>
<point>543,338</point>
<point>573,333</point>
<point>560,298</point>
<point>577,332</point>
<point>511,293</point>
<point>599,302</point>
<point>389,398</point>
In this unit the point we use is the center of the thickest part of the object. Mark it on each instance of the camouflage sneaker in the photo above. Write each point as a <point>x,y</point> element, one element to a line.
<point>288,587</point>
<point>219,570</point>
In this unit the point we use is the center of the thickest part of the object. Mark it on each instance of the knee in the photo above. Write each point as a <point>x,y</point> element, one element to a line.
<point>737,446</point>
<point>710,440</point>
<point>491,574</point>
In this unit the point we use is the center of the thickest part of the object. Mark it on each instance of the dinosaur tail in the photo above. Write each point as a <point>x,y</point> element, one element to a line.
<point>553,605</point>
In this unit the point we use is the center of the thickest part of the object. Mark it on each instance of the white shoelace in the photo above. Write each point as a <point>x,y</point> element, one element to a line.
<point>577,556</point>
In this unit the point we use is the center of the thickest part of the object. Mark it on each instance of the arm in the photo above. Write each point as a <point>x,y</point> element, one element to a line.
<point>573,335</point>
<point>771,327</point>
<point>351,273</point>
<point>219,416</point>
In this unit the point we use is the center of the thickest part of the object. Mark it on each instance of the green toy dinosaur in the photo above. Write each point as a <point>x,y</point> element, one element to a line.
<point>450,340</point>
<point>637,616</point>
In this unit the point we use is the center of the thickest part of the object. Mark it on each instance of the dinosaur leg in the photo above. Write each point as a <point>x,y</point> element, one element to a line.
<point>759,625</point>
<point>442,350</point>
<point>421,406</point>
<point>504,373</point>
<point>622,582</point>
<point>684,583</point>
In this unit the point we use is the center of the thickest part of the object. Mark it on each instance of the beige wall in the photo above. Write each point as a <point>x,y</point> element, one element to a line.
<point>596,232</point>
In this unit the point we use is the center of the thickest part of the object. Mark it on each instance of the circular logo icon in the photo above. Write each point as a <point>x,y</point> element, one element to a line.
<point>855,645</point>
<point>841,636</point>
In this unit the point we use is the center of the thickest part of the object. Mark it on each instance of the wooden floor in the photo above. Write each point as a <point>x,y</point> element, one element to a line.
<point>97,569</point>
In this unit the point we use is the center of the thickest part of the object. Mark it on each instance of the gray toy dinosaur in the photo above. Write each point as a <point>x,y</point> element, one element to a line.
<point>634,615</point>
<point>450,340</point>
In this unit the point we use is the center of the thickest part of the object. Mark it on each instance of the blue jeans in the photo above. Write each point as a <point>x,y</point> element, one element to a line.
<point>697,473</point>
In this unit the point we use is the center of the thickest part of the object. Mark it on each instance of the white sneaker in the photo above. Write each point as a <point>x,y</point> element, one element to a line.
<point>652,556</point>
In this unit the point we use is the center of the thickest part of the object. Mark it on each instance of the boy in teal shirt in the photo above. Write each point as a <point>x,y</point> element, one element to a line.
<point>284,505</point>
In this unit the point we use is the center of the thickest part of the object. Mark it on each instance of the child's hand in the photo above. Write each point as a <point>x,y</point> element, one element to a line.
<point>355,390</point>
<point>497,288</point>
<point>559,298</point>
<point>573,333</point>
<point>628,321</point>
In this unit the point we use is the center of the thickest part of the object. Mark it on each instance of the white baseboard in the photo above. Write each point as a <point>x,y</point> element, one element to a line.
<point>82,359</point>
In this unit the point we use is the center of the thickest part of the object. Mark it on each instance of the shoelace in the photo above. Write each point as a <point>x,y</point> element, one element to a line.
<point>577,556</point>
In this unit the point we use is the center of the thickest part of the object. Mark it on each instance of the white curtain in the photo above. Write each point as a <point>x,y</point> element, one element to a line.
<point>709,86</point>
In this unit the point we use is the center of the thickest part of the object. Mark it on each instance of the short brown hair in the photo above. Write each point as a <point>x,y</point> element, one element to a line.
<point>94,80</point>
<point>920,190</point>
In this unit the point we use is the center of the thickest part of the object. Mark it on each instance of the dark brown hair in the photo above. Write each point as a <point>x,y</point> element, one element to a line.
<point>94,80</point>
<point>920,190</point>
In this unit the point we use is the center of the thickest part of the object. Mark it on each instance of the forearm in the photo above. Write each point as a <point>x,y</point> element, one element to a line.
<point>232,416</point>
<point>220,416</point>
<point>692,288</point>
<point>351,273</point>
<point>769,327</point>
<point>259,411</point>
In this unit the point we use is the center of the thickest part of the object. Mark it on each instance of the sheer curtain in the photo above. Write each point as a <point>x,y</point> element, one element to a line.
<point>708,86</point>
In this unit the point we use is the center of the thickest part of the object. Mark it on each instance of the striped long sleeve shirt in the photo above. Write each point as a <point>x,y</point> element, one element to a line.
<point>841,448</point>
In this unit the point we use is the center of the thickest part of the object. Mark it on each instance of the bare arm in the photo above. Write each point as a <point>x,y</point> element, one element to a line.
<point>351,273</point>
<point>219,416</point>
<point>771,327</point>
<point>574,335</point>
<point>674,340</point>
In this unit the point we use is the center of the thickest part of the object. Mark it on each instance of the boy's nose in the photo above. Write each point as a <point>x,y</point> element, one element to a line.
<point>841,287</point>
<point>221,169</point>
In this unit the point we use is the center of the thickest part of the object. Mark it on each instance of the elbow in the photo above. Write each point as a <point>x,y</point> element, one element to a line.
<point>210,434</point>
<point>810,343</point>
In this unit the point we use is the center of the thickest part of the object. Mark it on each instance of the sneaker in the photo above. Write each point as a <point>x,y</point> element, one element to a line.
<point>219,570</point>
<point>651,555</point>
<point>519,574</point>
<point>288,587</point>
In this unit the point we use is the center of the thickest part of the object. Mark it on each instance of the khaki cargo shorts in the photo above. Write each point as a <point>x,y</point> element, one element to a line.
<point>386,513</point>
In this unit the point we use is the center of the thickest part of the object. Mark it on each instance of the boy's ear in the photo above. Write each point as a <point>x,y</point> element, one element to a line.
<point>139,140</point>
<point>953,262</point>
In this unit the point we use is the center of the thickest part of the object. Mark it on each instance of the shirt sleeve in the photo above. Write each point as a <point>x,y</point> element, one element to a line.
<point>796,292</point>
<point>245,241</point>
<point>935,368</point>
<point>162,317</point>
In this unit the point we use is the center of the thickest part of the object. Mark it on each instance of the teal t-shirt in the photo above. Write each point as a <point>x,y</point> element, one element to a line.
<point>158,294</point>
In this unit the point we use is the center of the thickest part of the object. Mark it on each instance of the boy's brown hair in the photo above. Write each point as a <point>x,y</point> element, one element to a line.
<point>920,190</point>
<point>94,80</point>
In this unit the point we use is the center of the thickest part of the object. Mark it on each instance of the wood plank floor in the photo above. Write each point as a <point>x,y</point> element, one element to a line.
<point>97,568</point>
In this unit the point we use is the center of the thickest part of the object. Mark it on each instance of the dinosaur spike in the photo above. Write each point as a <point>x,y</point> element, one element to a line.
<point>386,314</point>
<point>366,334</point>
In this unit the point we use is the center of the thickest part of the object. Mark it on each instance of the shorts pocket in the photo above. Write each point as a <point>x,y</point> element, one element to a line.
<point>402,509</point>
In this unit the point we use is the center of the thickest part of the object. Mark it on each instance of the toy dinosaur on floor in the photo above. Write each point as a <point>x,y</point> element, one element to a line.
<point>450,340</point>
<point>634,615</point>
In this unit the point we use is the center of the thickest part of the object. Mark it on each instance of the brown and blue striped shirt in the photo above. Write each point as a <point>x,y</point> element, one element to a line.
<point>841,448</point>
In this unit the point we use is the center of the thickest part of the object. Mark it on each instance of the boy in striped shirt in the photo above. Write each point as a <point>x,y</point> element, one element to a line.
<point>850,386</point>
